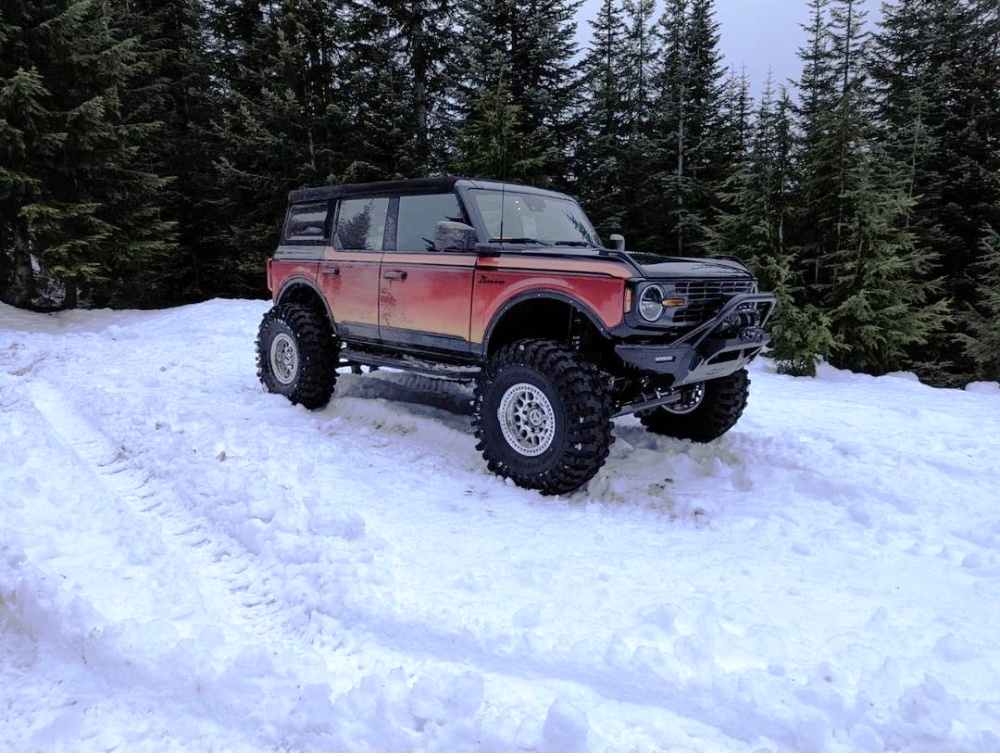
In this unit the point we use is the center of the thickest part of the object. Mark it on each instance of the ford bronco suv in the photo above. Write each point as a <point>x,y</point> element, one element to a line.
<point>510,287</point>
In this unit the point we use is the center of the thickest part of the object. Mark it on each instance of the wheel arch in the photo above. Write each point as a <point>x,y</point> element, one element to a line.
<point>541,315</point>
<point>303,291</point>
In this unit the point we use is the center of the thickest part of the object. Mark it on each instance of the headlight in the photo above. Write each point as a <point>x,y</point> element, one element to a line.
<point>651,303</point>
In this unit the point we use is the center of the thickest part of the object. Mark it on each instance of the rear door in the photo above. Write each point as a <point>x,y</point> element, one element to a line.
<point>425,294</point>
<point>349,272</point>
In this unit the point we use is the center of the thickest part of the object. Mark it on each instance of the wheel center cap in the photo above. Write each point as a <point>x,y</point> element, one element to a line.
<point>536,417</point>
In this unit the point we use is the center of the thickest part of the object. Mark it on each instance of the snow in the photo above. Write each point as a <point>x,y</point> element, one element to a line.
<point>187,563</point>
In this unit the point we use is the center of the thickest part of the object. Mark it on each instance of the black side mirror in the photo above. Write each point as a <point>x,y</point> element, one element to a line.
<point>618,242</point>
<point>454,237</point>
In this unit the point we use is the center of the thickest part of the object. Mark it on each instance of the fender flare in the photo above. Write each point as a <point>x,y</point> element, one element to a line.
<point>308,283</point>
<point>537,294</point>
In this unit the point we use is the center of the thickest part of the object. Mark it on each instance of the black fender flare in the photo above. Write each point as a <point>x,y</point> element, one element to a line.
<point>538,294</point>
<point>280,297</point>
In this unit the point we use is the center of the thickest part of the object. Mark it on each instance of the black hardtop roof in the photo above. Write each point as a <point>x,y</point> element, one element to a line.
<point>405,186</point>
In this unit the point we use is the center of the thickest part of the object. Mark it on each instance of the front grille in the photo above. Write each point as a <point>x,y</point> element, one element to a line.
<point>705,297</point>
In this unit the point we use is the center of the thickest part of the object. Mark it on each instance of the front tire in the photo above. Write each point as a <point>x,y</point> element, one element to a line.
<point>542,417</point>
<point>297,355</point>
<point>721,405</point>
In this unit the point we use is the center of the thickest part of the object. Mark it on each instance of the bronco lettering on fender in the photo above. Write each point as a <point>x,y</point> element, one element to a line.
<point>509,286</point>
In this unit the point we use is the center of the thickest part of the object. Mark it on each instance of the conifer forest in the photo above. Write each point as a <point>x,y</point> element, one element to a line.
<point>147,148</point>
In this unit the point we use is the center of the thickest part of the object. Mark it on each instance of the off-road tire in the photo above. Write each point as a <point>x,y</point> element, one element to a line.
<point>720,408</point>
<point>567,441</point>
<point>297,355</point>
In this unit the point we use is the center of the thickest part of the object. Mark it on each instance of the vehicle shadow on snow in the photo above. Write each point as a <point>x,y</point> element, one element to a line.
<point>642,469</point>
<point>449,396</point>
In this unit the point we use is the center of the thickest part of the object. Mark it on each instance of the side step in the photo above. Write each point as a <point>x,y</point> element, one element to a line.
<point>428,368</point>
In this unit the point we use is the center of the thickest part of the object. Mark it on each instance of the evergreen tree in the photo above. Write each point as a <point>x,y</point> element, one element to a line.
<point>283,124</point>
<point>858,259</point>
<point>687,146</point>
<point>491,140</point>
<point>982,339</point>
<point>75,195</point>
<point>756,228</point>
<point>529,47</point>
<point>599,158</point>
<point>179,96</point>
<point>937,70</point>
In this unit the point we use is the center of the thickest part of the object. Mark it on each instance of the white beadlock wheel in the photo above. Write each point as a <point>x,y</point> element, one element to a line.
<point>527,420</point>
<point>284,357</point>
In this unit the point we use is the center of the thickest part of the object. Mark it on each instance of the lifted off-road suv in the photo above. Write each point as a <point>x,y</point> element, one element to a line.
<point>510,287</point>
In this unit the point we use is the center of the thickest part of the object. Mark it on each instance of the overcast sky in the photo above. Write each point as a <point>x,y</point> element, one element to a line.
<point>759,34</point>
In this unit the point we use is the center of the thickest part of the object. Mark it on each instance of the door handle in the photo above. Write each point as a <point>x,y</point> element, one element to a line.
<point>395,275</point>
<point>331,270</point>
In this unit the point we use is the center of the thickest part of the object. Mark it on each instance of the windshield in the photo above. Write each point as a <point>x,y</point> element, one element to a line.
<point>524,218</point>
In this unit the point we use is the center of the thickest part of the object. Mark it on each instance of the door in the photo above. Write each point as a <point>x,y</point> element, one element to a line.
<point>349,272</point>
<point>425,294</point>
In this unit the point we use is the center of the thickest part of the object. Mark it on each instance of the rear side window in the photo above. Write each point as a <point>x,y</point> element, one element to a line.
<point>418,215</point>
<point>306,223</point>
<point>361,223</point>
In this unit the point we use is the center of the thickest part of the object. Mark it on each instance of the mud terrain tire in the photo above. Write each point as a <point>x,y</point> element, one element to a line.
<point>720,408</point>
<point>542,417</point>
<point>297,355</point>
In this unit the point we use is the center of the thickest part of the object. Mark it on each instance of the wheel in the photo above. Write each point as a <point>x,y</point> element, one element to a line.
<point>705,413</point>
<point>542,417</point>
<point>297,355</point>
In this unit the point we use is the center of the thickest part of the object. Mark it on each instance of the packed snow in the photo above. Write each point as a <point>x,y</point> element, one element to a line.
<point>188,563</point>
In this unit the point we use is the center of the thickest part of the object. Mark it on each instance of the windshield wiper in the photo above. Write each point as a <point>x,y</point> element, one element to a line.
<point>519,240</point>
<point>572,244</point>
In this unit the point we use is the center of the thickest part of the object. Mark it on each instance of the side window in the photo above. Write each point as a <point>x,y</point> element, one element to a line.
<point>306,223</point>
<point>417,216</point>
<point>361,223</point>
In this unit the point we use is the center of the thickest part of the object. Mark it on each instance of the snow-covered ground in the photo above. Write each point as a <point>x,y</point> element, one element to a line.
<point>187,563</point>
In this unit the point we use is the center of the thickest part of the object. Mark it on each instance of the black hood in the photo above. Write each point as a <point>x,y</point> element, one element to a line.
<point>659,266</point>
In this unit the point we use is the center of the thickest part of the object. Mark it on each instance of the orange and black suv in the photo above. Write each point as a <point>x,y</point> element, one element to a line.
<point>509,287</point>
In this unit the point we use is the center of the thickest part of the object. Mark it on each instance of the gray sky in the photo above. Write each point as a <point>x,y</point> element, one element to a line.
<point>758,34</point>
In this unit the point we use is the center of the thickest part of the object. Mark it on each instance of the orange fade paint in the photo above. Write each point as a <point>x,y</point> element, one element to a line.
<point>435,295</point>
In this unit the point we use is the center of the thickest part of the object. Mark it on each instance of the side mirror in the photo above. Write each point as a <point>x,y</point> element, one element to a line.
<point>454,237</point>
<point>618,242</point>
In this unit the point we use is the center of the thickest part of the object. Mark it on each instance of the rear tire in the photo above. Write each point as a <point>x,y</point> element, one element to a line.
<point>297,355</point>
<point>721,406</point>
<point>542,417</point>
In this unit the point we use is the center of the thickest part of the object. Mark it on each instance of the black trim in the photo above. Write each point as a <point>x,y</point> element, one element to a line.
<point>374,189</point>
<point>539,294</point>
<point>423,341</point>
<point>309,284</point>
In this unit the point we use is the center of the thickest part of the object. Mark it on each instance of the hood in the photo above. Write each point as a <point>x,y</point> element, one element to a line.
<point>657,266</point>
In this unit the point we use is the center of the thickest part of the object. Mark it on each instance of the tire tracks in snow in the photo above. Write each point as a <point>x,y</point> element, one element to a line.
<point>236,594</point>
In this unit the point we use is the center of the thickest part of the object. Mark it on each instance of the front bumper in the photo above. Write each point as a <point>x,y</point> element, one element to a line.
<point>710,350</point>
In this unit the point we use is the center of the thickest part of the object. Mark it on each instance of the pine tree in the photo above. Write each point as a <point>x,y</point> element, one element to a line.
<point>982,339</point>
<point>756,228</point>
<point>75,194</point>
<point>529,47</point>
<point>179,96</point>
<point>599,158</point>
<point>858,258</point>
<point>491,140</point>
<point>686,147</point>
<point>283,124</point>
<point>937,71</point>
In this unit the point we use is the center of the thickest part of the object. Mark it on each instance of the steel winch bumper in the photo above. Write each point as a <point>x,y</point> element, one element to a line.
<point>716,348</point>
